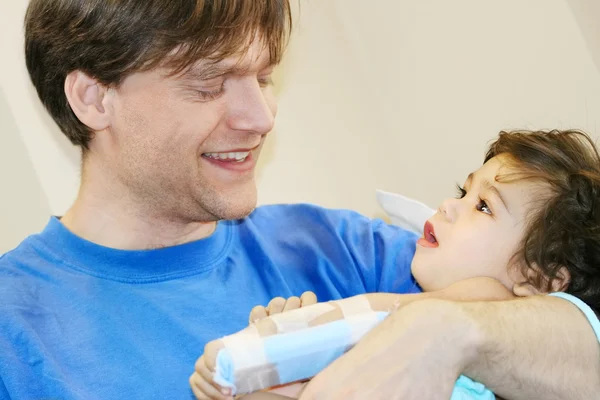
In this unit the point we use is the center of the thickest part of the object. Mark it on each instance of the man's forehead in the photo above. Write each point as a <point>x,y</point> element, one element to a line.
<point>254,57</point>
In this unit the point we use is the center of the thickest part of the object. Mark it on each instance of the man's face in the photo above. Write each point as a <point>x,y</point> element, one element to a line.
<point>187,145</point>
<point>477,234</point>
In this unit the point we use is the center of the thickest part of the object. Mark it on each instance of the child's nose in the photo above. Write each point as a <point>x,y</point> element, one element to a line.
<point>448,209</point>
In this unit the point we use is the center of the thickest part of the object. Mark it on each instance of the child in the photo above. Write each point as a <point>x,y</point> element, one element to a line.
<point>527,222</point>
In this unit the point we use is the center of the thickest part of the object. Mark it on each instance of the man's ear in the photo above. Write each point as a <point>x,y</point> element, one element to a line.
<point>85,96</point>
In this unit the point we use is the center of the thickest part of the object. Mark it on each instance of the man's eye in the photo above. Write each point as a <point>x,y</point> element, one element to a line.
<point>265,81</point>
<point>210,94</point>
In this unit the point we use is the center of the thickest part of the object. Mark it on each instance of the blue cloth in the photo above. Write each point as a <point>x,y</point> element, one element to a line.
<point>81,321</point>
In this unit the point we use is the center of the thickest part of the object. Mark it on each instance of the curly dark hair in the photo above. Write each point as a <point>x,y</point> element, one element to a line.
<point>564,228</point>
<point>109,40</point>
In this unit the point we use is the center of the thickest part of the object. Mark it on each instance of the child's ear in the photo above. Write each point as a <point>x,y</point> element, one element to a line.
<point>525,289</point>
<point>560,283</point>
<point>562,280</point>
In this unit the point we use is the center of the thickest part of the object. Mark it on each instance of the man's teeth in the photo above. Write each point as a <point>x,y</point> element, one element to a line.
<point>233,156</point>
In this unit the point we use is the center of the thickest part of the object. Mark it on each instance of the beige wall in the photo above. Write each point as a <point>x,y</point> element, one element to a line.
<point>401,95</point>
<point>23,204</point>
<point>587,15</point>
<point>406,94</point>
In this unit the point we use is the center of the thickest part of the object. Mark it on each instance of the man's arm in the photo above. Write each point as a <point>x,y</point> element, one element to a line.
<point>533,348</point>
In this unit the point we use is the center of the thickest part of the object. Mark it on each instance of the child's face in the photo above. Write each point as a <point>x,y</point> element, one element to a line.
<point>476,235</point>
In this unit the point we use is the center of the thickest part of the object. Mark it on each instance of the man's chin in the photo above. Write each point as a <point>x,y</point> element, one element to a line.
<point>236,209</point>
<point>234,213</point>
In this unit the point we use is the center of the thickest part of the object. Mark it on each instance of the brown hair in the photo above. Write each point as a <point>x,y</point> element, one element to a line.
<point>564,228</point>
<point>110,40</point>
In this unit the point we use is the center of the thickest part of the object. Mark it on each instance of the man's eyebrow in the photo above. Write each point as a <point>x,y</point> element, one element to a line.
<point>207,72</point>
<point>215,70</point>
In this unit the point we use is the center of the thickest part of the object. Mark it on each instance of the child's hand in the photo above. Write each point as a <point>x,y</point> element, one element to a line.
<point>279,305</point>
<point>201,381</point>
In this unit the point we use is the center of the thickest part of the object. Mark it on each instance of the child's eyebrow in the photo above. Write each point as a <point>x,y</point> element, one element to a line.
<point>489,186</point>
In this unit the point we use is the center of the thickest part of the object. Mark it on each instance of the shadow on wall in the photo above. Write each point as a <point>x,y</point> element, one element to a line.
<point>68,150</point>
<point>24,208</point>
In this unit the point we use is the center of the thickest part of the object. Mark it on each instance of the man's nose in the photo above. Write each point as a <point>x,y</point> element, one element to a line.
<point>252,109</point>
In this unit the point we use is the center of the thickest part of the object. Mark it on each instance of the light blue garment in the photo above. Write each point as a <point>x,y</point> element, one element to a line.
<point>585,309</point>
<point>82,321</point>
<point>467,389</point>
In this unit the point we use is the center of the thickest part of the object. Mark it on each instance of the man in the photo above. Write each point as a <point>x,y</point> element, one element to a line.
<point>162,251</point>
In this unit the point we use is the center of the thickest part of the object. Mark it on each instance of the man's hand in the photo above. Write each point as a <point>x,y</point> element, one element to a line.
<point>415,354</point>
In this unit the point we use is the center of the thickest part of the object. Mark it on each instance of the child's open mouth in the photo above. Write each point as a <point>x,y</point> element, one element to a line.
<point>428,239</point>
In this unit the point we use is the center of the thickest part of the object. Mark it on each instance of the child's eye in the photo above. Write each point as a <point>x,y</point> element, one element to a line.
<point>483,207</point>
<point>460,192</point>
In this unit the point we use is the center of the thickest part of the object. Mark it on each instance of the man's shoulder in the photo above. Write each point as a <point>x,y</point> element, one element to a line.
<point>367,254</point>
<point>21,263</point>
<point>290,219</point>
<point>17,271</point>
<point>304,213</point>
<point>12,257</point>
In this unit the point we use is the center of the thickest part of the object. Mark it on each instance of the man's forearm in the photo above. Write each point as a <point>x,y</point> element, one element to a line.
<point>535,348</point>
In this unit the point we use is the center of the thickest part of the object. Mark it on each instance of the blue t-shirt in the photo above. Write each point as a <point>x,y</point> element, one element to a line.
<point>82,321</point>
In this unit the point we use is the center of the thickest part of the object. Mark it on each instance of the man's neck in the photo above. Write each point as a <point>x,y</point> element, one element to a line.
<point>118,222</point>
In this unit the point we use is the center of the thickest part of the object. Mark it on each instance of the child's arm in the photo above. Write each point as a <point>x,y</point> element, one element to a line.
<point>202,383</point>
<point>264,396</point>
<point>468,290</point>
